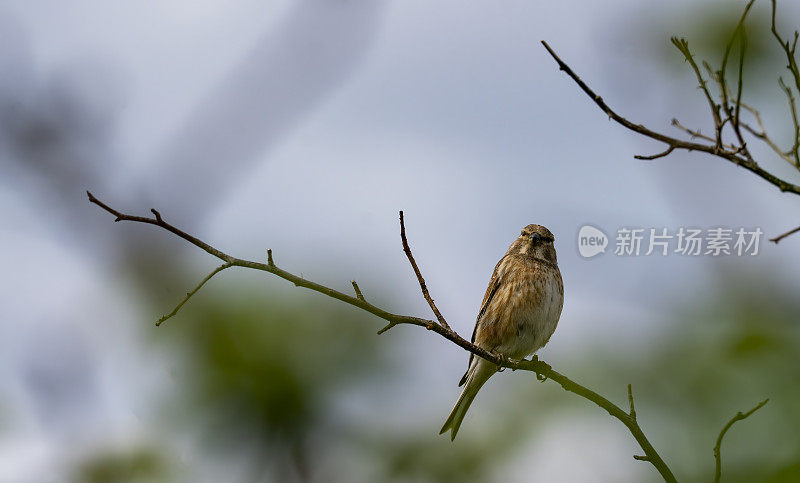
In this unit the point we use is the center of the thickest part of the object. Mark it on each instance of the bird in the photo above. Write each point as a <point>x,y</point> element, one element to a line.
<point>518,314</point>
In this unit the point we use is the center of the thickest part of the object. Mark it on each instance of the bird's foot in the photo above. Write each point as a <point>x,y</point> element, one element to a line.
<point>504,358</point>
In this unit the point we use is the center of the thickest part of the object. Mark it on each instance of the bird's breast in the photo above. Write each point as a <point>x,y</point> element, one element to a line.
<point>524,312</point>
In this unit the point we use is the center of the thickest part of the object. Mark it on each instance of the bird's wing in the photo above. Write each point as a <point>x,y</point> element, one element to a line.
<point>494,284</point>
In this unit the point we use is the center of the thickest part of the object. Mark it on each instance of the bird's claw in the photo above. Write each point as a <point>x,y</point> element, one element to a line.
<point>513,362</point>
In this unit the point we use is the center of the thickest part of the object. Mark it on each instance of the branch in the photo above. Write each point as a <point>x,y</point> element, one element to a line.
<point>421,280</point>
<point>541,368</point>
<point>738,417</point>
<point>732,156</point>
<point>781,237</point>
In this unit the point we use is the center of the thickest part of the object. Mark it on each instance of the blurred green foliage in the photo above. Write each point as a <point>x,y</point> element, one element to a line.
<point>137,466</point>
<point>261,376</point>
<point>708,27</point>
<point>261,372</point>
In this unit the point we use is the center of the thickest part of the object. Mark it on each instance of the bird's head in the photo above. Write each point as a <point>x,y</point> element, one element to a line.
<point>536,241</point>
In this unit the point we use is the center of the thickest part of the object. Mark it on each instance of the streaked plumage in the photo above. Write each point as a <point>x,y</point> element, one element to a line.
<point>519,312</point>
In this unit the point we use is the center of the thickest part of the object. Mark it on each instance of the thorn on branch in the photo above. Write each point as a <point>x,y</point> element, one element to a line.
<point>640,458</point>
<point>630,401</point>
<point>158,215</point>
<point>386,327</point>
<point>359,295</point>
<point>270,262</point>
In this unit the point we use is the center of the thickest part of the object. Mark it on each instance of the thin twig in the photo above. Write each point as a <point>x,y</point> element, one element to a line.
<point>540,368</point>
<point>788,49</point>
<point>781,237</point>
<point>738,417</point>
<point>683,46</point>
<point>793,110</point>
<point>656,156</point>
<point>699,135</point>
<point>189,294</point>
<point>793,69</point>
<point>762,134</point>
<point>421,280</point>
<point>731,116</point>
<point>742,50</point>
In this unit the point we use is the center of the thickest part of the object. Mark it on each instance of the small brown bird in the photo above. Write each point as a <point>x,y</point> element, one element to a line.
<point>518,314</point>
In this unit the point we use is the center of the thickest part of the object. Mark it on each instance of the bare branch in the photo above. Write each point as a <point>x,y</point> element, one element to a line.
<point>421,280</point>
<point>781,237</point>
<point>738,417</point>
<point>540,368</point>
<point>732,156</point>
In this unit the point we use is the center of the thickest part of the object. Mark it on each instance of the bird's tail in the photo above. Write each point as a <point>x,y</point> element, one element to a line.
<point>480,372</point>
